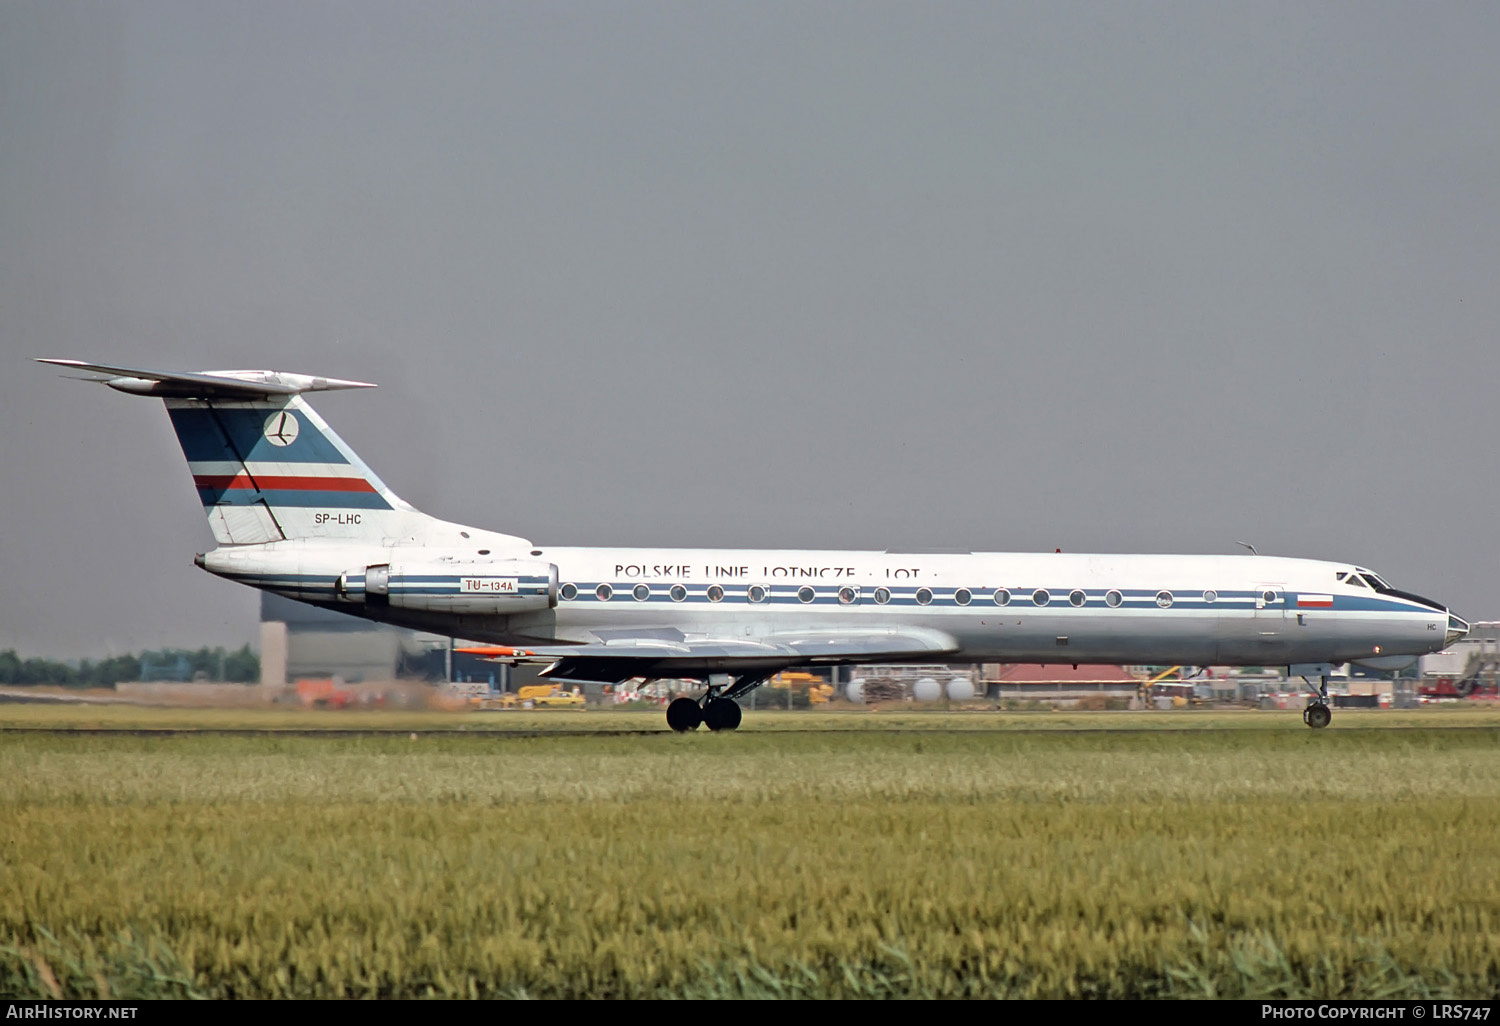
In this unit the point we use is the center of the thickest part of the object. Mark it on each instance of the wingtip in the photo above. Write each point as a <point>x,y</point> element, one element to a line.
<point>73,364</point>
<point>328,384</point>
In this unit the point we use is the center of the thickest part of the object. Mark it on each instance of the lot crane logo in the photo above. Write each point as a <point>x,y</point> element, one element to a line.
<point>281,428</point>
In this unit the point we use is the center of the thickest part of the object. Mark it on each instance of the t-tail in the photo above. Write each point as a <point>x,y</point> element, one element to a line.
<point>268,468</point>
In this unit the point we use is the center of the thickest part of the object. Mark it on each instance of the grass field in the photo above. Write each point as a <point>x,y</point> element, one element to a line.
<point>881,855</point>
<point>839,717</point>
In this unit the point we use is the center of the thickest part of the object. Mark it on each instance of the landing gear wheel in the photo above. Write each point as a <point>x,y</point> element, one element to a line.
<point>722,714</point>
<point>1317,716</point>
<point>684,715</point>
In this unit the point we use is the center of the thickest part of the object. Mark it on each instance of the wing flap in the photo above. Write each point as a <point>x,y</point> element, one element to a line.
<point>866,645</point>
<point>619,659</point>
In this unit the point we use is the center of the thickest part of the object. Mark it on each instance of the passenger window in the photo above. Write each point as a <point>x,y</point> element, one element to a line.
<point>641,592</point>
<point>569,592</point>
<point>604,592</point>
<point>1077,598</point>
<point>924,596</point>
<point>963,596</point>
<point>1040,597</point>
<point>806,594</point>
<point>1002,597</point>
<point>848,596</point>
<point>678,593</point>
<point>715,593</point>
<point>757,593</point>
<point>1113,599</point>
<point>882,595</point>
<point>1164,599</point>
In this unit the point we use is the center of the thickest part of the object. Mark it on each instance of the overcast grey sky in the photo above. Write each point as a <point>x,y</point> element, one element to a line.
<point>1105,277</point>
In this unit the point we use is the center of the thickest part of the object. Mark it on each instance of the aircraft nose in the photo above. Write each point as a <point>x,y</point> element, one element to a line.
<point>1457,629</point>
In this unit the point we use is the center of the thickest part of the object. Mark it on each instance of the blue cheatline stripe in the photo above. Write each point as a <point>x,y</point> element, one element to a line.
<point>202,431</point>
<point>904,597</point>
<point>315,585</point>
<point>309,580</point>
<point>299,499</point>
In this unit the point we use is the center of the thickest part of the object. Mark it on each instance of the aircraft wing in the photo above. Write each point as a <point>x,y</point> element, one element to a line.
<point>657,653</point>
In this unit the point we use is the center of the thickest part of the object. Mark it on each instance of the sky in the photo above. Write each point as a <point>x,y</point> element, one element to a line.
<point>1139,277</point>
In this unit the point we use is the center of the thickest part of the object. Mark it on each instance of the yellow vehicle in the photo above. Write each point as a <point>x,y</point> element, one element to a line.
<point>818,691</point>
<point>558,697</point>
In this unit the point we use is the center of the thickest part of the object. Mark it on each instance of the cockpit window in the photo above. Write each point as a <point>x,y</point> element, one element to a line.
<point>1341,575</point>
<point>1373,581</point>
<point>1355,580</point>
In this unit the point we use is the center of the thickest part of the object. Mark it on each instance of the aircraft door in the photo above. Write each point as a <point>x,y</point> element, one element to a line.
<point>1270,612</point>
<point>1253,632</point>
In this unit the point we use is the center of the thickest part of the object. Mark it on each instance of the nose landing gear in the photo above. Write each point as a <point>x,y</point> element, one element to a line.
<point>717,709</point>
<point>1317,715</point>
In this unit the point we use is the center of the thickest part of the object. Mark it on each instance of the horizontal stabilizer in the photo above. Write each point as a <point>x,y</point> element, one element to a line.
<point>222,384</point>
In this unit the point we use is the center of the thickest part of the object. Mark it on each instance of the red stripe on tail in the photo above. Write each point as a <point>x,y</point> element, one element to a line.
<point>228,482</point>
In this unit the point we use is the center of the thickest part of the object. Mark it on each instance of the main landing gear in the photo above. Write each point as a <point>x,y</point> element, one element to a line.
<point>1317,715</point>
<point>717,709</point>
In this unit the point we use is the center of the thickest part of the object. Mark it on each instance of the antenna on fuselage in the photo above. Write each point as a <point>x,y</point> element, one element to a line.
<point>1248,546</point>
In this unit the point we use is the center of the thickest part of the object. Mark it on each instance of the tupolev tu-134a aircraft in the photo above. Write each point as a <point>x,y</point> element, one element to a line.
<point>296,512</point>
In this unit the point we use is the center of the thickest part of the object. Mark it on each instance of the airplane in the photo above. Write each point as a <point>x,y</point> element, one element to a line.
<point>294,511</point>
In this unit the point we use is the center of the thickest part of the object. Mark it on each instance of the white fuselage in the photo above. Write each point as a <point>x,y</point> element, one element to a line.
<point>1007,607</point>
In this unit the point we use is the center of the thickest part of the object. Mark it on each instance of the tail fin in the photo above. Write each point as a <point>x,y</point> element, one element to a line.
<point>268,468</point>
<point>271,468</point>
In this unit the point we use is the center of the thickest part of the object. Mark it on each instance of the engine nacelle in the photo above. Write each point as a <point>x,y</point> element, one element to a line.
<point>492,588</point>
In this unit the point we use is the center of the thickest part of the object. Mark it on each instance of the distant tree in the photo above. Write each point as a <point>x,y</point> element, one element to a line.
<point>167,664</point>
<point>111,671</point>
<point>242,666</point>
<point>205,661</point>
<point>45,671</point>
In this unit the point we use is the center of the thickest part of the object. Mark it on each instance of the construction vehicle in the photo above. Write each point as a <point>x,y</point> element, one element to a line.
<point>819,691</point>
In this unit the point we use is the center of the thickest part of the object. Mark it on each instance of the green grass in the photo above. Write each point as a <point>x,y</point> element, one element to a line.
<point>841,717</point>
<point>1257,860</point>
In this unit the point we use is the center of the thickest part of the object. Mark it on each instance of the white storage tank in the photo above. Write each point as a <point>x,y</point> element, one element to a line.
<point>960,689</point>
<point>926,689</point>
